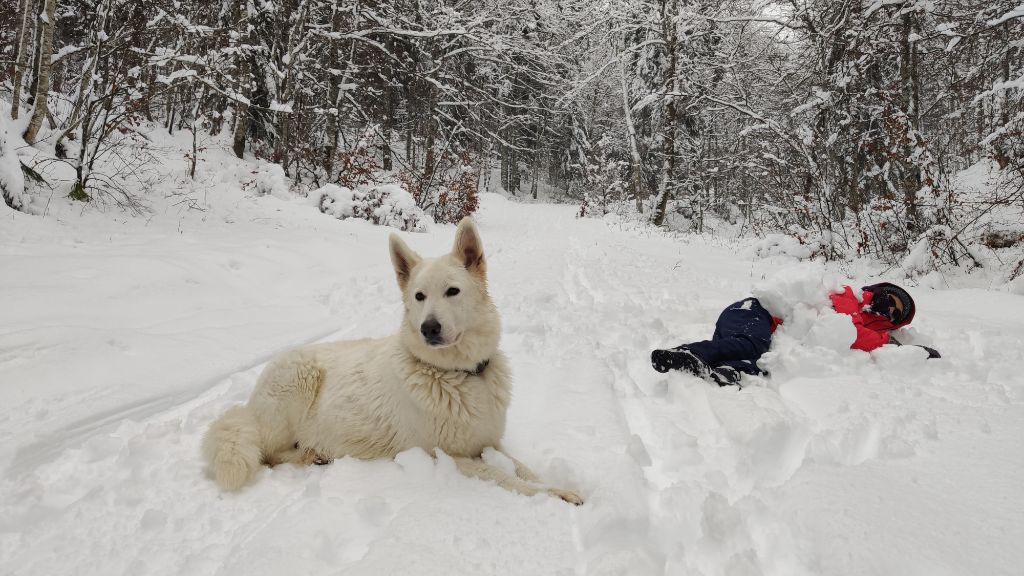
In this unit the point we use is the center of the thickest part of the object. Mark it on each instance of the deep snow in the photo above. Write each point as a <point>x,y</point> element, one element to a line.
<point>121,338</point>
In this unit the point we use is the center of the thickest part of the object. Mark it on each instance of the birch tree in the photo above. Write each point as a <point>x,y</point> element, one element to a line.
<point>23,45</point>
<point>43,66</point>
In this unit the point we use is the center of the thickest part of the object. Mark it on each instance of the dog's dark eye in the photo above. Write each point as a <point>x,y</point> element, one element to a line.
<point>421,296</point>
<point>451,291</point>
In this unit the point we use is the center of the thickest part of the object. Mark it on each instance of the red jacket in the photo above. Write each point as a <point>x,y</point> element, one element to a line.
<point>872,329</point>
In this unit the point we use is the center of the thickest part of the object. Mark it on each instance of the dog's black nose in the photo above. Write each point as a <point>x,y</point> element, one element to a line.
<point>431,330</point>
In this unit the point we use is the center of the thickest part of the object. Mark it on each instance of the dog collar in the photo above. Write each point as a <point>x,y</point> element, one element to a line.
<point>479,368</point>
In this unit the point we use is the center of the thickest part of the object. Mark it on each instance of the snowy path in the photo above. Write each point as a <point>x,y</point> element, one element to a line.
<point>841,464</point>
<point>615,305</point>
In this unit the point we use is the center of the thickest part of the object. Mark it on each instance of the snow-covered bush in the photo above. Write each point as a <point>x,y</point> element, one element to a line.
<point>357,167</point>
<point>383,204</point>
<point>798,244</point>
<point>938,248</point>
<point>601,185</point>
<point>447,189</point>
<point>1001,238</point>
<point>780,245</point>
<point>458,198</point>
<point>12,182</point>
<point>270,180</point>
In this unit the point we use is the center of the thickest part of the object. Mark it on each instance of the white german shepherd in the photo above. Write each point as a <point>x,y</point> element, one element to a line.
<point>441,382</point>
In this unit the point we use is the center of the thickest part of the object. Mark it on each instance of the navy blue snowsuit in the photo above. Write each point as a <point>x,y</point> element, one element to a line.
<point>742,334</point>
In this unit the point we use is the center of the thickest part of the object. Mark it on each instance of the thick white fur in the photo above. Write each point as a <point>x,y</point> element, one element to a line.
<point>375,398</point>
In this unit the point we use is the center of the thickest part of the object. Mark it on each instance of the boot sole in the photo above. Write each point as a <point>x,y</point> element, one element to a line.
<point>665,360</point>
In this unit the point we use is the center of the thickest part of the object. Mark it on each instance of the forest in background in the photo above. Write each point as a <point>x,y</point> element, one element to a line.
<point>839,123</point>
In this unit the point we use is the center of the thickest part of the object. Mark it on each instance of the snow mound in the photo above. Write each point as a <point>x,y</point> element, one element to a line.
<point>382,204</point>
<point>12,182</point>
<point>1017,286</point>
<point>270,180</point>
<point>832,331</point>
<point>803,286</point>
<point>814,338</point>
<point>781,245</point>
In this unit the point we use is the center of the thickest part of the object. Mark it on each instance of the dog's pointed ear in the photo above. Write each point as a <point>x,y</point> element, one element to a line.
<point>403,259</point>
<point>469,249</point>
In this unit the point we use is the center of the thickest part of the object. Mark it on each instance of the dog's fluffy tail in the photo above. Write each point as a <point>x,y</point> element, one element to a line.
<point>231,448</point>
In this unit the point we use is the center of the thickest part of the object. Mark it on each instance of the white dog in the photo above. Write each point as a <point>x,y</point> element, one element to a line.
<point>441,382</point>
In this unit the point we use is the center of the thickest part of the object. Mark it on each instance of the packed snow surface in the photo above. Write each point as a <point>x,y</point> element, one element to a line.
<point>121,339</point>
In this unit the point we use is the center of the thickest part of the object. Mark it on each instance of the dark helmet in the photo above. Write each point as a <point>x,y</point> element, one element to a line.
<point>891,301</point>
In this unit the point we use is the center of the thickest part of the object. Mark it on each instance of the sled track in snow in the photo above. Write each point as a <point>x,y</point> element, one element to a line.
<point>73,435</point>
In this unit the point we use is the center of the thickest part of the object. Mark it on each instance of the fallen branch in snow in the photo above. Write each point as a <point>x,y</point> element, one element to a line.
<point>32,175</point>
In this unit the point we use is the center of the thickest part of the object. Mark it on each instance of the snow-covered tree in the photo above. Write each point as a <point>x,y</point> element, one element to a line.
<point>840,120</point>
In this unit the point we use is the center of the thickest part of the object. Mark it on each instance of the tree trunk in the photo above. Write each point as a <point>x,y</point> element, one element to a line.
<point>286,119</point>
<point>333,83</point>
<point>78,191</point>
<point>514,178</point>
<point>503,151</point>
<point>636,163</point>
<point>243,83</point>
<point>195,136</point>
<point>1000,102</point>
<point>535,171</point>
<point>390,111</point>
<point>669,10</point>
<point>241,115</point>
<point>172,109</point>
<point>33,68</point>
<point>1004,104</point>
<point>909,82</point>
<point>85,86</point>
<point>484,177</point>
<point>43,79</point>
<point>410,146</point>
<point>536,174</point>
<point>428,161</point>
<point>23,46</point>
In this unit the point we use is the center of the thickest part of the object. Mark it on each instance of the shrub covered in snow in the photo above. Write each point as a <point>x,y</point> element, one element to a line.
<point>780,245</point>
<point>382,204</point>
<point>458,198</point>
<point>448,190</point>
<point>1016,286</point>
<point>601,178</point>
<point>937,248</point>
<point>270,180</point>
<point>357,167</point>
<point>799,244</point>
<point>12,182</point>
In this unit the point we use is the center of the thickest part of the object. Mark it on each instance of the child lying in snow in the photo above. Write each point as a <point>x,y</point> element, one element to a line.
<point>744,332</point>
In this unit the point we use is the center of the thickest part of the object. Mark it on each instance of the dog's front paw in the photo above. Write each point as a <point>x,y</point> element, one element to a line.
<point>312,458</point>
<point>567,495</point>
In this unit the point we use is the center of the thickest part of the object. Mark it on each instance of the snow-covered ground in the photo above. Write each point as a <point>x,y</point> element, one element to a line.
<point>121,338</point>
